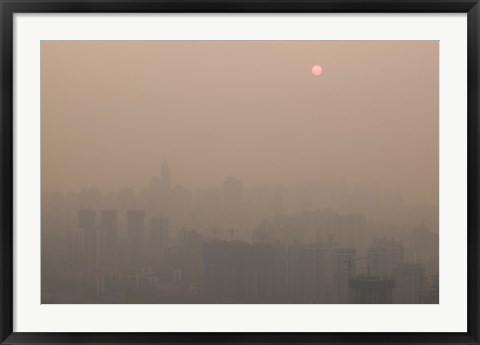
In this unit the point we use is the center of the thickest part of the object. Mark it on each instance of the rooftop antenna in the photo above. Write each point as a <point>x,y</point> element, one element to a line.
<point>214,232</point>
<point>232,232</point>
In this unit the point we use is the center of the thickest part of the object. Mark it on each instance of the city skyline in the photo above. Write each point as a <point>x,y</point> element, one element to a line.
<point>160,244</point>
<point>331,195</point>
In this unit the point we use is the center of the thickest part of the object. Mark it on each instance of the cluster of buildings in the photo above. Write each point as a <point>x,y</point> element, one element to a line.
<point>150,264</point>
<point>162,248</point>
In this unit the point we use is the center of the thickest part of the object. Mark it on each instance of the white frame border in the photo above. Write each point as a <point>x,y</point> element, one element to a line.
<point>449,316</point>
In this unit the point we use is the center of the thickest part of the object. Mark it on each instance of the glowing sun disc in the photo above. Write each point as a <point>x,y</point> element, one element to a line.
<point>317,70</point>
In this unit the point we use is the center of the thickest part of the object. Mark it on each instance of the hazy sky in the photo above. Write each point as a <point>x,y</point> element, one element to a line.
<point>113,110</point>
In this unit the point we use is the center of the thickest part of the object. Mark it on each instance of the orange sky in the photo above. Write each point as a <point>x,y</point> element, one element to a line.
<point>111,111</point>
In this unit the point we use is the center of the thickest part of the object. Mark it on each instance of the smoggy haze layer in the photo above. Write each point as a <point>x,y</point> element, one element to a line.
<point>111,111</point>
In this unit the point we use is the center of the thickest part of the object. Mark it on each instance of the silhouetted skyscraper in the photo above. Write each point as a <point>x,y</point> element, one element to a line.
<point>86,221</point>
<point>190,251</point>
<point>158,244</point>
<point>430,293</point>
<point>378,262</point>
<point>408,283</point>
<point>108,236</point>
<point>77,254</point>
<point>181,205</point>
<point>136,236</point>
<point>390,254</point>
<point>345,269</point>
<point>165,177</point>
<point>159,232</point>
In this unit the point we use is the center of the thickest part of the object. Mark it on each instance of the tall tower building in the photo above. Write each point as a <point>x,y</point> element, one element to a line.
<point>136,237</point>
<point>158,243</point>
<point>77,255</point>
<point>378,262</point>
<point>190,245</point>
<point>391,252</point>
<point>159,232</point>
<point>108,236</point>
<point>345,269</point>
<point>165,176</point>
<point>409,279</point>
<point>86,221</point>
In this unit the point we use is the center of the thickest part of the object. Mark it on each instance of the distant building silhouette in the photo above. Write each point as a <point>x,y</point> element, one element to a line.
<point>165,177</point>
<point>371,290</point>
<point>345,269</point>
<point>350,230</point>
<point>187,256</point>
<point>186,246</point>
<point>264,233</point>
<point>136,236</point>
<point>378,261</point>
<point>385,254</point>
<point>409,287</point>
<point>158,243</point>
<point>86,221</point>
<point>181,204</point>
<point>108,236</point>
<point>86,218</point>
<point>430,294</point>
<point>240,272</point>
<point>77,250</point>
<point>159,234</point>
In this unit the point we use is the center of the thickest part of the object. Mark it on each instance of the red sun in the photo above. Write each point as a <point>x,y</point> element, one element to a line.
<point>317,70</point>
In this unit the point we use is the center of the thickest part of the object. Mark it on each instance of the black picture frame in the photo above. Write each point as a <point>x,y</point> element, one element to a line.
<point>9,7</point>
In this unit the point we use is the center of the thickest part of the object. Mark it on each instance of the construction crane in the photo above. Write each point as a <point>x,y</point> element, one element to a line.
<point>216,231</point>
<point>232,232</point>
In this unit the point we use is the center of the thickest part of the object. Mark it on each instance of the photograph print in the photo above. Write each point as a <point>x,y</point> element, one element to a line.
<point>239,172</point>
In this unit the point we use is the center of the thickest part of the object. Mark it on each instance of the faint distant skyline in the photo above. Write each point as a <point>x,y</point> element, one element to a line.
<point>113,110</point>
